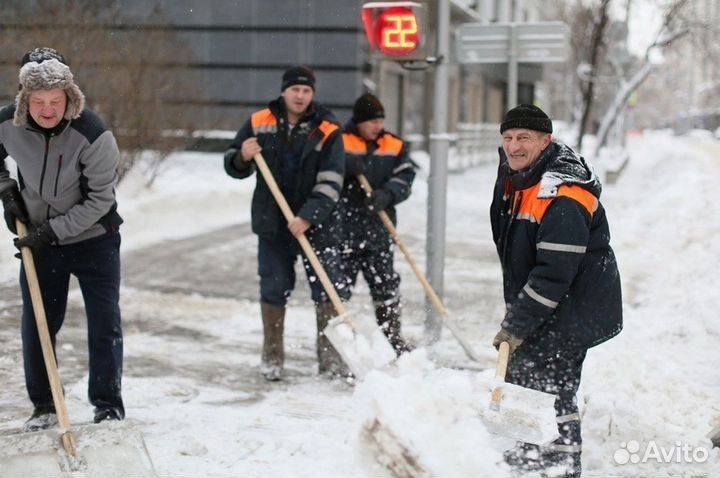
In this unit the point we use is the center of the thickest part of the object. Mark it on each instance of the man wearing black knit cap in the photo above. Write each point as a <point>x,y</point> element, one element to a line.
<point>302,143</point>
<point>367,246</point>
<point>561,281</point>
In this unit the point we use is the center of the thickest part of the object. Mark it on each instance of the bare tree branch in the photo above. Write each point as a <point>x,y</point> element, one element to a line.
<point>668,33</point>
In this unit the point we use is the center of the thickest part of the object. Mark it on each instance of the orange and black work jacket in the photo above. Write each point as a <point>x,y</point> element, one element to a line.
<point>307,161</point>
<point>560,277</point>
<point>387,166</point>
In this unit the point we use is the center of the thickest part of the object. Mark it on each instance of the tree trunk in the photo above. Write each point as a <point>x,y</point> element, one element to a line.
<point>595,47</point>
<point>612,113</point>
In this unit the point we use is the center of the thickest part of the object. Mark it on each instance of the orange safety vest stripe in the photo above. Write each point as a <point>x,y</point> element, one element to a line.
<point>263,117</point>
<point>327,129</point>
<point>534,208</point>
<point>389,145</point>
<point>354,144</point>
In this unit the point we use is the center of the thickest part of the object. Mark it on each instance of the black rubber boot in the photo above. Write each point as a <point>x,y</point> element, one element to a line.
<point>388,318</point>
<point>273,354</point>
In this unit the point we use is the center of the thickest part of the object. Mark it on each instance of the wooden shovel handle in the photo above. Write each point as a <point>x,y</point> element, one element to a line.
<point>406,252</point>
<point>437,303</point>
<point>502,363</point>
<point>304,243</point>
<point>46,343</point>
<point>500,371</point>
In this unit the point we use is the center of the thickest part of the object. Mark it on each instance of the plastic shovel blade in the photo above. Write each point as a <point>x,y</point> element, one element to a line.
<point>105,450</point>
<point>524,415</point>
<point>360,343</point>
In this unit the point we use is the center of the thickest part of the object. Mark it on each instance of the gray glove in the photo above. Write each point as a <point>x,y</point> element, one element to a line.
<point>505,336</point>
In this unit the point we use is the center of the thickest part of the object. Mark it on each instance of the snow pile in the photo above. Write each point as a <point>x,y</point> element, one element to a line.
<point>191,195</point>
<point>423,419</point>
<point>360,342</point>
<point>654,387</point>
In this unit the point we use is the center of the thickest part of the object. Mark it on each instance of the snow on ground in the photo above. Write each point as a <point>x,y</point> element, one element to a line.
<point>194,391</point>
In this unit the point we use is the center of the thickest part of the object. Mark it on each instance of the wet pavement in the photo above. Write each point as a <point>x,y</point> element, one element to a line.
<point>171,289</point>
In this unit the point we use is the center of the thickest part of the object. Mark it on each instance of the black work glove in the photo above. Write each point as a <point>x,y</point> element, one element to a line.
<point>354,165</point>
<point>379,200</point>
<point>37,238</point>
<point>505,336</point>
<point>13,208</point>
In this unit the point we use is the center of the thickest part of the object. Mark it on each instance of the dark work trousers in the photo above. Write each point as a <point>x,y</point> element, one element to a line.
<point>369,250</point>
<point>557,372</point>
<point>96,264</point>
<point>276,267</point>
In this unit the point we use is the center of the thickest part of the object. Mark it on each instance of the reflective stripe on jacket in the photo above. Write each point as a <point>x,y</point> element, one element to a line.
<point>320,173</point>
<point>387,166</point>
<point>561,280</point>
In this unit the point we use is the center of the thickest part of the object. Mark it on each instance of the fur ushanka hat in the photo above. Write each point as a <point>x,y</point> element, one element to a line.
<point>45,69</point>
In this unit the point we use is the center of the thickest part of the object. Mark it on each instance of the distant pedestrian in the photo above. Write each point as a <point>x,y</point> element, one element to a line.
<point>561,281</point>
<point>367,246</point>
<point>302,143</point>
<point>67,171</point>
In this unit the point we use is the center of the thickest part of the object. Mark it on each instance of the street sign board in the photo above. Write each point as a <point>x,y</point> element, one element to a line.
<point>539,42</point>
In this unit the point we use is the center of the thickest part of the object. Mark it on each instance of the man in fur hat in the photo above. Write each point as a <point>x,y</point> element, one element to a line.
<point>560,278</point>
<point>67,171</point>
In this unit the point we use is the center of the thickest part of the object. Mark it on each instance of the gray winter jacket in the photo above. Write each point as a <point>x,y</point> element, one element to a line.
<point>66,175</point>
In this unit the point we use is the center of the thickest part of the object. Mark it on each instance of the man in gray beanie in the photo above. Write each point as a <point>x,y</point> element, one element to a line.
<point>561,281</point>
<point>67,171</point>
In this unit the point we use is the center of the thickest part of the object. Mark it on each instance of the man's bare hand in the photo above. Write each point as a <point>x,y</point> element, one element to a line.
<point>299,226</point>
<point>250,148</point>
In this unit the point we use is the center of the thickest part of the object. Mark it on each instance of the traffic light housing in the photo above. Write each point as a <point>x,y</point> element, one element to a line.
<point>396,30</point>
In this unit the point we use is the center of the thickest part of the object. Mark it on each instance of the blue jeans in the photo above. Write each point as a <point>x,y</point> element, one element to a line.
<point>96,264</point>
<point>276,267</point>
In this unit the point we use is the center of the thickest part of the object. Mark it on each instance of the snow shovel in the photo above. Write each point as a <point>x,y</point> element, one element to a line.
<point>361,343</point>
<point>105,450</point>
<point>437,303</point>
<point>517,412</point>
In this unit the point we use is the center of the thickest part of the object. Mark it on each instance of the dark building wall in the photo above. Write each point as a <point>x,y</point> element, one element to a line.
<point>241,48</point>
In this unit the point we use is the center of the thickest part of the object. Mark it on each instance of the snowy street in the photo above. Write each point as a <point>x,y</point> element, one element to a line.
<point>193,333</point>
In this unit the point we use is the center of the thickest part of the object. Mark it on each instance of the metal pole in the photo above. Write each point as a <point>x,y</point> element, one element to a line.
<point>518,11</point>
<point>504,11</point>
<point>437,182</point>
<point>512,69</point>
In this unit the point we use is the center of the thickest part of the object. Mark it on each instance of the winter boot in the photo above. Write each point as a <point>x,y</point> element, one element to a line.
<point>329,360</point>
<point>102,414</point>
<point>273,354</point>
<point>562,458</point>
<point>43,417</point>
<point>561,465</point>
<point>388,318</point>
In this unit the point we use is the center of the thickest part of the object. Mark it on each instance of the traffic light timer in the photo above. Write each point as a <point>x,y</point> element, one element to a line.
<point>396,30</point>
